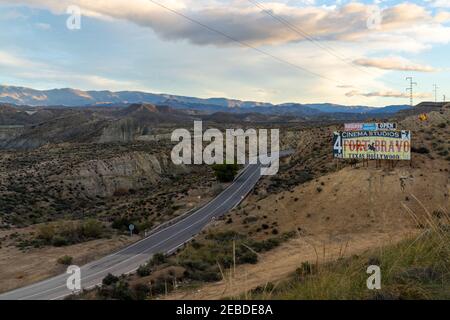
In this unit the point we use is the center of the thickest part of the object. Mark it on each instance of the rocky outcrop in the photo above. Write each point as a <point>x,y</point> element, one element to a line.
<point>131,171</point>
<point>10,132</point>
<point>124,130</point>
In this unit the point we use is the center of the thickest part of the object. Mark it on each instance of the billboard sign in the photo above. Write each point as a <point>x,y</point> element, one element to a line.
<point>370,126</point>
<point>374,145</point>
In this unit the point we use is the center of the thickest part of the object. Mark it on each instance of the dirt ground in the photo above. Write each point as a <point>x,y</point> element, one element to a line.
<point>18,268</point>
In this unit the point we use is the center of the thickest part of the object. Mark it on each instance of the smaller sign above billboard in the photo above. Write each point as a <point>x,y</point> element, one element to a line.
<point>370,126</point>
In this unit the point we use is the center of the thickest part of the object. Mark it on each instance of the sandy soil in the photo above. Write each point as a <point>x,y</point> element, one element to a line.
<point>19,268</point>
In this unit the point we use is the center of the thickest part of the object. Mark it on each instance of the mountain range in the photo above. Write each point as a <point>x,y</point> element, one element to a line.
<point>78,98</point>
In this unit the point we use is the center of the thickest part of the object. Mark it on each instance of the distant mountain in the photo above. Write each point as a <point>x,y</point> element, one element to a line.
<point>76,98</point>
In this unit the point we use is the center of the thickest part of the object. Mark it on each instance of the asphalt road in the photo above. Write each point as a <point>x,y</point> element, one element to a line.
<point>166,240</point>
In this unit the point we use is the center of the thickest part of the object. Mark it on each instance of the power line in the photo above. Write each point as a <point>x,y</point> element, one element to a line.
<point>435,92</point>
<point>310,38</point>
<point>410,89</point>
<point>245,44</point>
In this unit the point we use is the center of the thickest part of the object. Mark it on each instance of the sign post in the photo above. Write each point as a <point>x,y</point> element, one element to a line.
<point>131,228</point>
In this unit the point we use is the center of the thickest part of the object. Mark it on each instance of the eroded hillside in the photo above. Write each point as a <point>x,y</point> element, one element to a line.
<point>338,212</point>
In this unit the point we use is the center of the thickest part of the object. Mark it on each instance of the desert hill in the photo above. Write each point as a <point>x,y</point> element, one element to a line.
<point>341,212</point>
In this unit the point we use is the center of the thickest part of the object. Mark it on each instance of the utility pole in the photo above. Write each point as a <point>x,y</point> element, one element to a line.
<point>435,92</point>
<point>443,97</point>
<point>410,89</point>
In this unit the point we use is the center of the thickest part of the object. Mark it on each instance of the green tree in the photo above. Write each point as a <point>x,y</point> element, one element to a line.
<point>225,172</point>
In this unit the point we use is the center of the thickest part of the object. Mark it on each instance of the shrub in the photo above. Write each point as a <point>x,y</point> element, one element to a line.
<point>224,236</point>
<point>110,279</point>
<point>247,257</point>
<point>59,241</point>
<point>159,287</point>
<point>141,291</point>
<point>421,150</point>
<point>306,268</point>
<point>158,259</point>
<point>265,245</point>
<point>46,232</point>
<point>206,276</point>
<point>194,264</point>
<point>122,291</point>
<point>120,192</point>
<point>225,172</point>
<point>144,270</point>
<point>92,229</point>
<point>123,223</point>
<point>65,260</point>
<point>68,233</point>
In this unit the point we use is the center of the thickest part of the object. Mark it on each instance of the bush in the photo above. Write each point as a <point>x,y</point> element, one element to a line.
<point>123,224</point>
<point>194,264</point>
<point>158,259</point>
<point>206,276</point>
<point>67,233</point>
<point>65,260</point>
<point>306,268</point>
<point>144,270</point>
<point>46,232</point>
<point>109,279</point>
<point>265,245</point>
<point>160,286</point>
<point>120,192</point>
<point>225,172</point>
<point>422,150</point>
<point>141,291</point>
<point>247,257</point>
<point>59,241</point>
<point>92,229</point>
<point>224,236</point>
<point>122,291</point>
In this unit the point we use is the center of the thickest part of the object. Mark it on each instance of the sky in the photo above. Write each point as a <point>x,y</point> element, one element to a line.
<point>305,51</point>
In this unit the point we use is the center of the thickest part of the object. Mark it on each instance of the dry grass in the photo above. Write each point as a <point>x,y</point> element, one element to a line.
<point>416,268</point>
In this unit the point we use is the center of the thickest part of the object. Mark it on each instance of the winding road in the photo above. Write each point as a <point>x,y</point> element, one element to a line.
<point>165,240</point>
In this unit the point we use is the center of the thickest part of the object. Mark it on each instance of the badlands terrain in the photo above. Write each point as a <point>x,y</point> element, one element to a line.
<point>72,180</point>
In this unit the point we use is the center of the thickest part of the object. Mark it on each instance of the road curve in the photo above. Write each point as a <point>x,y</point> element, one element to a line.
<point>166,240</point>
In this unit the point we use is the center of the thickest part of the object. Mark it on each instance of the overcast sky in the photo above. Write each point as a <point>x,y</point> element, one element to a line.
<point>358,53</point>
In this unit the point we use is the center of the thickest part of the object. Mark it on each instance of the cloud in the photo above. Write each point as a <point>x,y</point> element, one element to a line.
<point>386,94</point>
<point>24,68</point>
<point>12,60</point>
<point>443,16</point>
<point>393,63</point>
<point>441,4</point>
<point>248,23</point>
<point>12,15</point>
<point>43,26</point>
